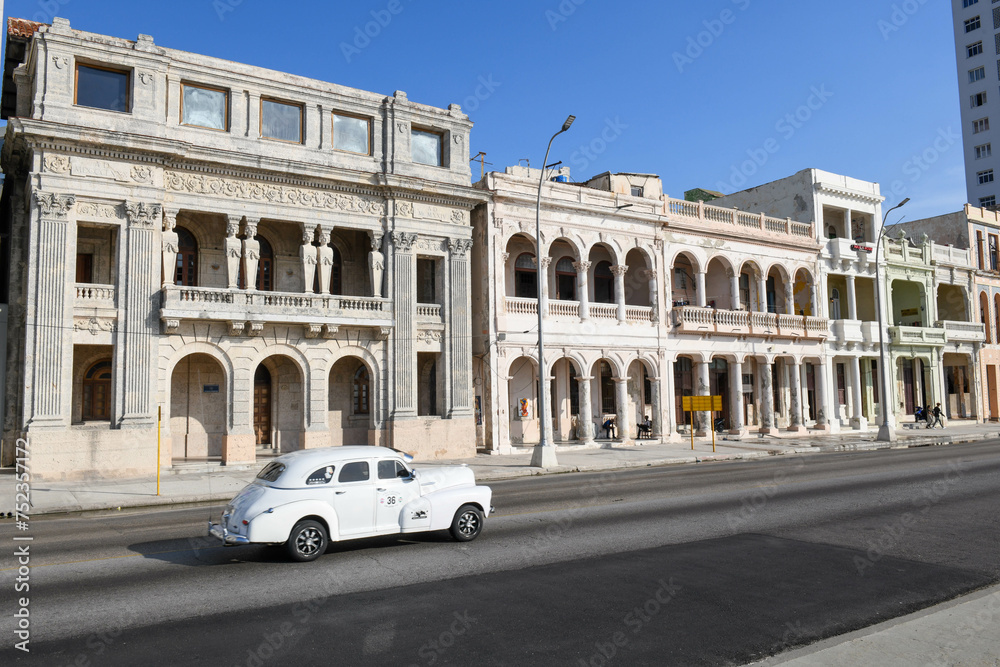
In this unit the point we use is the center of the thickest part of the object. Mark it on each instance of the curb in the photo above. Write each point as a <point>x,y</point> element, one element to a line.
<point>527,471</point>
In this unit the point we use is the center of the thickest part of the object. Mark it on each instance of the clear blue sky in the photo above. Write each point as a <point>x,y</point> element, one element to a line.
<point>885,97</point>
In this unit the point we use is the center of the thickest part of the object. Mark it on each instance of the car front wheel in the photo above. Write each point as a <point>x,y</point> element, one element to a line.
<point>467,524</point>
<point>307,541</point>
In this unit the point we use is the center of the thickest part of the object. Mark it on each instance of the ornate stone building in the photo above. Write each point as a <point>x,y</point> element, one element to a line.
<point>646,299</point>
<point>273,262</point>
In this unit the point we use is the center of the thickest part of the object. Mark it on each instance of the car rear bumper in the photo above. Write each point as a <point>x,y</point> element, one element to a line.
<point>228,539</point>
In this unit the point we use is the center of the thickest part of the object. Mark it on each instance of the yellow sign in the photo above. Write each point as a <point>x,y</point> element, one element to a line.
<point>702,403</point>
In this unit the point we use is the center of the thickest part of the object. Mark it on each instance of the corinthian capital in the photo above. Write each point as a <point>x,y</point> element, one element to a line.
<point>403,241</point>
<point>52,205</point>
<point>141,214</point>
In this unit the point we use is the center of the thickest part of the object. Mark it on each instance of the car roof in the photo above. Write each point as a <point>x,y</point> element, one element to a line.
<point>305,461</point>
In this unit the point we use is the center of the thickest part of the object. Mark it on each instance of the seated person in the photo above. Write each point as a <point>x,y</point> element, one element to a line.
<point>645,427</point>
<point>609,428</point>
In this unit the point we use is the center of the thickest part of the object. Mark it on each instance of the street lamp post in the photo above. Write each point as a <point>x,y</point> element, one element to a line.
<point>885,432</point>
<point>544,454</point>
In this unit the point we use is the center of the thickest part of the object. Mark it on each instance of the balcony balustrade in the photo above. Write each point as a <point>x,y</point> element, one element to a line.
<point>694,320</point>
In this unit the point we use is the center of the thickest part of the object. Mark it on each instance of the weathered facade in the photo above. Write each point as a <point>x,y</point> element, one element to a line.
<point>273,262</point>
<point>646,299</point>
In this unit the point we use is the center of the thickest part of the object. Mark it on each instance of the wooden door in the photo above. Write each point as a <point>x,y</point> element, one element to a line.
<point>262,406</point>
<point>991,383</point>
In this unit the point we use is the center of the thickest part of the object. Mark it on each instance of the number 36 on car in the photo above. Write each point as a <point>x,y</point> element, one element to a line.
<point>309,498</point>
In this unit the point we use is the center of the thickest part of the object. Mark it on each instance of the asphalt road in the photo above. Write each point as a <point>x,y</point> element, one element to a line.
<point>720,563</point>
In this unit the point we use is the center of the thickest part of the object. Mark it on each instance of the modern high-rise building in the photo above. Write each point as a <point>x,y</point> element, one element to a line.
<point>977,43</point>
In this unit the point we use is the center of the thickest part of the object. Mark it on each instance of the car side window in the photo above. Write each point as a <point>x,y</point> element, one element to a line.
<point>354,472</point>
<point>321,476</point>
<point>392,469</point>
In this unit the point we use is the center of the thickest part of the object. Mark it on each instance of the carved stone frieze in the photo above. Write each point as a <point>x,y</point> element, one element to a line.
<point>95,325</point>
<point>273,194</point>
<point>460,247</point>
<point>142,174</point>
<point>95,210</point>
<point>56,164</point>
<point>404,209</point>
<point>430,336</point>
<point>429,243</point>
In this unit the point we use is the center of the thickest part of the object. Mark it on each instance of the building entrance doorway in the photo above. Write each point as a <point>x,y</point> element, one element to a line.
<point>262,406</point>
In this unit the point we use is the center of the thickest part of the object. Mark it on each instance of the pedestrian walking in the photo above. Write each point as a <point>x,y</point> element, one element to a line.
<point>937,417</point>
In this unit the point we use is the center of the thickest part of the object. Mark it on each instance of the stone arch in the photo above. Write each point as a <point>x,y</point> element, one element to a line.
<point>352,399</point>
<point>199,406</point>
<point>718,282</point>
<point>695,258</point>
<point>574,245</point>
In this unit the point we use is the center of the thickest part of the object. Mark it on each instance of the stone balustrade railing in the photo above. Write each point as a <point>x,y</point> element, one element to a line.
<point>694,320</point>
<point>564,308</point>
<point>219,303</point>
<point>730,216</point>
<point>89,292</point>
<point>521,306</point>
<point>639,314</point>
<point>604,311</point>
<point>429,311</point>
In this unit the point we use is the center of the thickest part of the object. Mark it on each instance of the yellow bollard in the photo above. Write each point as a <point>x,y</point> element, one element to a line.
<point>711,423</point>
<point>159,417</point>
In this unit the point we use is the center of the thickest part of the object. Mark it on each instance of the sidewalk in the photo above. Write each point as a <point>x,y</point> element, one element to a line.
<point>958,633</point>
<point>211,482</point>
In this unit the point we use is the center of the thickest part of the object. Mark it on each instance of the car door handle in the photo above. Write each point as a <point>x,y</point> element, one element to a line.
<point>340,493</point>
<point>380,489</point>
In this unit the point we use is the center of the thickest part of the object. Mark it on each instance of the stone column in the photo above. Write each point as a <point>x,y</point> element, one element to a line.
<point>804,394</point>
<point>585,420</point>
<point>324,259</point>
<point>135,339</point>
<point>734,290</point>
<point>736,397</point>
<point>975,384</point>
<point>49,341</point>
<point>234,251</point>
<point>942,388</point>
<point>766,397</point>
<point>405,292</point>
<point>795,395</point>
<point>852,298</point>
<point>823,410</point>
<point>814,301</point>
<point>654,294</point>
<point>309,257</point>
<point>789,298</point>
<point>376,263</point>
<point>667,401</point>
<point>619,271</point>
<point>251,253</point>
<point>857,420</point>
<point>657,416</point>
<point>703,389</point>
<point>621,399</point>
<point>762,292</point>
<point>701,299</point>
<point>460,329</point>
<point>543,277</point>
<point>169,243</point>
<point>582,288</point>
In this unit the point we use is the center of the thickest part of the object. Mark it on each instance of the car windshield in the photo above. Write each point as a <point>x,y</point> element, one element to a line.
<point>271,472</point>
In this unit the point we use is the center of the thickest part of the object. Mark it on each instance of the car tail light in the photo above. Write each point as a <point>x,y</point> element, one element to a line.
<point>245,522</point>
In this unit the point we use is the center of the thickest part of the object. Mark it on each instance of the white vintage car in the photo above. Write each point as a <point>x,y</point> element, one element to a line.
<point>310,497</point>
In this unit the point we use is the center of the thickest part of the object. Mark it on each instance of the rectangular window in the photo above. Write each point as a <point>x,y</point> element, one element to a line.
<point>636,191</point>
<point>979,247</point>
<point>974,49</point>
<point>983,150</point>
<point>981,125</point>
<point>978,100</point>
<point>972,24</point>
<point>985,176</point>
<point>968,3</point>
<point>84,268</point>
<point>281,121</point>
<point>977,74</point>
<point>352,134</point>
<point>426,147</point>
<point>841,384</point>
<point>426,292</point>
<point>204,107</point>
<point>993,253</point>
<point>988,202</point>
<point>103,88</point>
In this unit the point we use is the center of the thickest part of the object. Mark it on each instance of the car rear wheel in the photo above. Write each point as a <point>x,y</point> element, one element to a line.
<point>307,541</point>
<point>467,524</point>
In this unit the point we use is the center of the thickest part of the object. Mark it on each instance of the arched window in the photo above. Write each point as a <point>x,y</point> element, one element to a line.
<point>565,280</point>
<point>525,276</point>
<point>831,232</point>
<point>362,387</point>
<point>608,404</point>
<point>265,268</point>
<point>604,283</point>
<point>772,295</point>
<point>187,259</point>
<point>835,304</point>
<point>97,392</point>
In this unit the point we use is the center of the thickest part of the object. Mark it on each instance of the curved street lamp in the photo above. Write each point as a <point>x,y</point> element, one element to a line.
<point>885,432</point>
<point>544,454</point>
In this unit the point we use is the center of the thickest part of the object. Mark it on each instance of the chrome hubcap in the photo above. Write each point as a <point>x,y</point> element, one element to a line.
<point>468,524</point>
<point>308,541</point>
